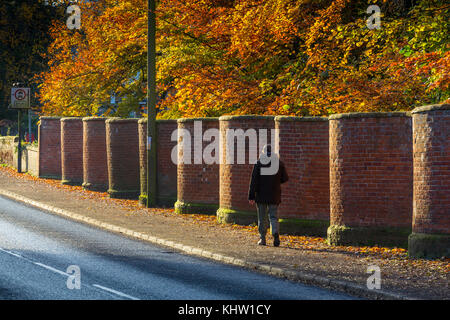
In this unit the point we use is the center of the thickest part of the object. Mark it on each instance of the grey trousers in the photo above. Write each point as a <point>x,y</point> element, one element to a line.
<point>265,210</point>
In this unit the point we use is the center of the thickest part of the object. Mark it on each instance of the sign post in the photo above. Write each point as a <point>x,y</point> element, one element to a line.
<point>20,99</point>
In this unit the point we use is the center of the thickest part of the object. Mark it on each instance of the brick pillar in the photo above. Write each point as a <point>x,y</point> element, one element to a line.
<point>122,148</point>
<point>166,180</point>
<point>50,147</point>
<point>370,179</point>
<point>198,181</point>
<point>95,165</point>
<point>304,149</point>
<point>235,178</point>
<point>430,237</point>
<point>72,151</point>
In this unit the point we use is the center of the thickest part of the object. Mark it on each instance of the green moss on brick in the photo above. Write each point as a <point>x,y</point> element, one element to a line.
<point>123,194</point>
<point>368,236</point>
<point>94,187</point>
<point>236,216</point>
<point>195,208</point>
<point>53,177</point>
<point>304,227</point>
<point>68,182</point>
<point>429,246</point>
<point>433,107</point>
<point>291,226</point>
<point>165,201</point>
<point>143,199</point>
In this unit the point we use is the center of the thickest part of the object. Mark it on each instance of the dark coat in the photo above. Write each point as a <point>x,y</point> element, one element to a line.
<point>267,188</point>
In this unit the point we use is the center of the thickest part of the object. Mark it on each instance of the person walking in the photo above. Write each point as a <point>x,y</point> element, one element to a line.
<point>268,174</point>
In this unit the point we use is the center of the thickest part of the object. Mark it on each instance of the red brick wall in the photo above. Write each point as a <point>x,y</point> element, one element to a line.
<point>370,167</point>
<point>50,147</point>
<point>235,179</point>
<point>304,149</point>
<point>198,183</point>
<point>431,169</point>
<point>122,147</point>
<point>371,170</point>
<point>95,166</point>
<point>72,151</point>
<point>166,169</point>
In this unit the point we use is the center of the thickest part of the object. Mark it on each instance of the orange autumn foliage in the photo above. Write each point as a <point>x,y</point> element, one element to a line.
<point>292,57</point>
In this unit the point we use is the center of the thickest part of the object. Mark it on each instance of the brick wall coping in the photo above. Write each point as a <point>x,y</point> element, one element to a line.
<point>122,120</point>
<point>302,119</point>
<point>166,120</point>
<point>49,118</point>
<point>95,119</point>
<point>353,115</point>
<point>145,120</point>
<point>181,120</point>
<point>71,119</point>
<point>245,117</point>
<point>432,107</point>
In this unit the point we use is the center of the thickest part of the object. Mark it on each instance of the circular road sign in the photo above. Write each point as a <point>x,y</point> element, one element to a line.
<point>20,94</point>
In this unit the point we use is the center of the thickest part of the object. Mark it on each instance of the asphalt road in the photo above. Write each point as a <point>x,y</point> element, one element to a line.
<point>41,254</point>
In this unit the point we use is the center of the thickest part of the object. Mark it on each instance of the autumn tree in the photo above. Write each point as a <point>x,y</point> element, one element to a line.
<point>295,57</point>
<point>24,37</point>
<point>350,67</point>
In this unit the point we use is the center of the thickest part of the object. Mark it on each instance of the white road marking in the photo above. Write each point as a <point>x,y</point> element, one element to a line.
<point>11,253</point>
<point>121,294</point>
<point>51,269</point>
<point>36,263</point>
<point>115,292</point>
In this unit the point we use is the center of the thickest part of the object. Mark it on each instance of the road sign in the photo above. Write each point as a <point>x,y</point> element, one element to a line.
<point>20,98</point>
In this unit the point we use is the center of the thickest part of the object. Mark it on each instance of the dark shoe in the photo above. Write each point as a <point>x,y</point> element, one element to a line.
<point>262,242</point>
<point>276,240</point>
